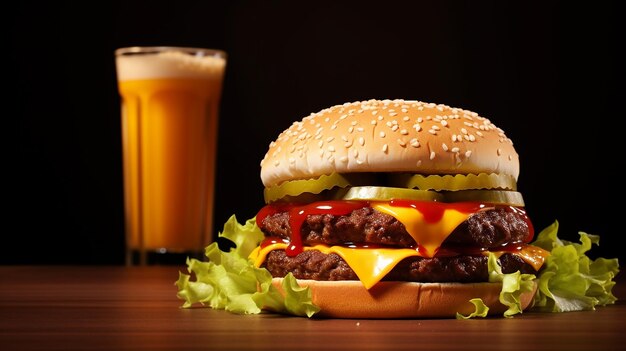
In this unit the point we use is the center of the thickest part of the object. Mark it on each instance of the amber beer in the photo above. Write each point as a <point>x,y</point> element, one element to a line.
<point>169,99</point>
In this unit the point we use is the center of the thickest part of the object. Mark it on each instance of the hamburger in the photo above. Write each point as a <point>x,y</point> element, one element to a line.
<point>394,209</point>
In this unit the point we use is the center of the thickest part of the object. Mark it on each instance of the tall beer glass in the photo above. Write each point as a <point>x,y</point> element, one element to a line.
<point>170,100</point>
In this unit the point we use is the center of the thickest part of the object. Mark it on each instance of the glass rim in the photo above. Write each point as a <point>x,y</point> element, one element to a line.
<point>145,50</point>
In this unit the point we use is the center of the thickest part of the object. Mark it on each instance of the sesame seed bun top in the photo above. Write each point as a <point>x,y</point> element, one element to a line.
<point>389,136</point>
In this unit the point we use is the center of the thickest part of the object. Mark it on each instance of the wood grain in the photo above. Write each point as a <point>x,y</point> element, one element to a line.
<point>135,308</point>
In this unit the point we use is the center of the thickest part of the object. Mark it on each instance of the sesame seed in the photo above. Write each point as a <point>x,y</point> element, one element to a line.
<point>374,112</point>
<point>320,143</point>
<point>510,157</point>
<point>389,124</point>
<point>353,123</point>
<point>499,152</point>
<point>401,142</point>
<point>329,139</point>
<point>343,116</point>
<point>351,129</point>
<point>433,132</point>
<point>356,153</point>
<point>394,127</point>
<point>406,118</point>
<point>466,137</point>
<point>276,163</point>
<point>419,163</point>
<point>361,141</point>
<point>348,144</point>
<point>479,133</point>
<point>432,155</point>
<point>392,114</point>
<point>435,127</point>
<point>463,130</point>
<point>344,138</point>
<point>417,127</point>
<point>359,161</point>
<point>382,134</point>
<point>421,108</point>
<point>472,137</point>
<point>468,153</point>
<point>333,127</point>
<point>444,146</point>
<point>331,148</point>
<point>380,118</point>
<point>415,143</point>
<point>385,148</point>
<point>404,132</point>
<point>292,160</point>
<point>404,110</point>
<point>455,149</point>
<point>420,120</point>
<point>444,123</point>
<point>344,159</point>
<point>453,138</point>
<point>373,122</point>
<point>360,129</point>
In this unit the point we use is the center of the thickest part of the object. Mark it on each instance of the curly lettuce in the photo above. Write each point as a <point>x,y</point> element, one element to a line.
<point>229,281</point>
<point>570,280</point>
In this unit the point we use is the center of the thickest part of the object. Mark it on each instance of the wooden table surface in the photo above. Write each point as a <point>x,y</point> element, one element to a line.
<point>121,308</point>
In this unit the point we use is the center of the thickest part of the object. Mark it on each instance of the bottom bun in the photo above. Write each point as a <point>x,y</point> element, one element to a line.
<point>350,299</point>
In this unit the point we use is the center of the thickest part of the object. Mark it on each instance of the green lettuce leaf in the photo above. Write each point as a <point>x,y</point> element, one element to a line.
<point>480,310</point>
<point>570,280</point>
<point>230,281</point>
<point>513,285</point>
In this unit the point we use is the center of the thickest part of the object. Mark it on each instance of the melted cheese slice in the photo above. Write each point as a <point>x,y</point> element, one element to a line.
<point>533,255</point>
<point>427,235</point>
<point>371,265</point>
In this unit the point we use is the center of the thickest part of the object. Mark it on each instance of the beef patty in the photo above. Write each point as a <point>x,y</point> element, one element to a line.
<point>487,229</point>
<point>319,266</point>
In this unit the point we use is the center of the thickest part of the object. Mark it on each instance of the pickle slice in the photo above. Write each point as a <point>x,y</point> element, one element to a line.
<point>505,197</point>
<point>381,193</point>
<point>291,190</point>
<point>450,182</point>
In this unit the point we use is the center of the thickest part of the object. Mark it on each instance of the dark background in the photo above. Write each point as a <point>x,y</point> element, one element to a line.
<point>546,73</point>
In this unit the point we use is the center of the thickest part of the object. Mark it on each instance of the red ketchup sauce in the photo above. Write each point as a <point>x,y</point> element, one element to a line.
<point>432,211</point>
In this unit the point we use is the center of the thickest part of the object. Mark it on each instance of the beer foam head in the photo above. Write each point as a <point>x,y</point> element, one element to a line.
<point>168,64</point>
